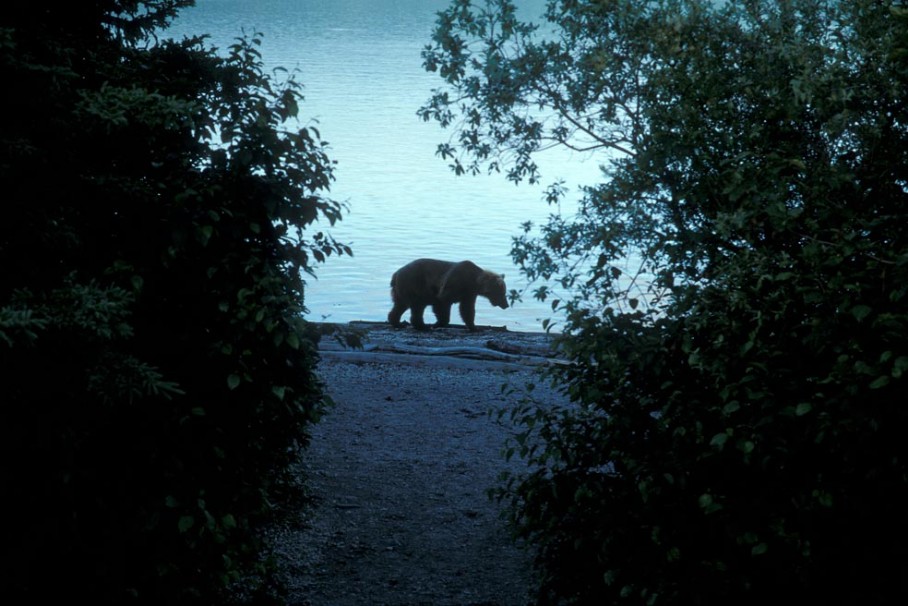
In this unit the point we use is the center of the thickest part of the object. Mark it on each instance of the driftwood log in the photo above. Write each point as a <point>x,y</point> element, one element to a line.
<point>501,346</point>
<point>473,353</point>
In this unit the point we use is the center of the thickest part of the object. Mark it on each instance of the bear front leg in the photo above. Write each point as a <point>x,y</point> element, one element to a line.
<point>468,312</point>
<point>442,314</point>
<point>416,320</point>
<point>394,315</point>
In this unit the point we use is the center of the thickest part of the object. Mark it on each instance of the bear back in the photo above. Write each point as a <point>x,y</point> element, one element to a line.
<point>461,281</point>
<point>466,280</point>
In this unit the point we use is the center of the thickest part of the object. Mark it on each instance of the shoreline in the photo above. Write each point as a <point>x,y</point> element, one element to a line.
<point>363,340</point>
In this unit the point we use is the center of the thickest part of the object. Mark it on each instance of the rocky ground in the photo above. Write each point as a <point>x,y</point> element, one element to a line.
<point>400,469</point>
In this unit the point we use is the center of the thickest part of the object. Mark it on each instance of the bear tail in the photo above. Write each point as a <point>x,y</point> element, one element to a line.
<point>394,287</point>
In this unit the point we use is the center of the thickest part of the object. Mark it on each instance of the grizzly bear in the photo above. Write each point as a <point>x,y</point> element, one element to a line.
<point>441,284</point>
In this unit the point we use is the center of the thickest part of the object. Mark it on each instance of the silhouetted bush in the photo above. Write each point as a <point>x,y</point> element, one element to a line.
<point>735,290</point>
<point>157,375</point>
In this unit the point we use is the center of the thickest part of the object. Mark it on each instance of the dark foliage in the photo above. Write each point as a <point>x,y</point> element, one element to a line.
<point>735,290</point>
<point>157,375</point>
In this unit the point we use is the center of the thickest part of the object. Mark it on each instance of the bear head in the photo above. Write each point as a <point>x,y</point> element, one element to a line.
<point>492,287</point>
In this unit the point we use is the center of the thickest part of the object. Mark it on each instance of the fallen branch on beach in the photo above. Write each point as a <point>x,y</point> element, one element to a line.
<point>376,339</point>
<point>473,353</point>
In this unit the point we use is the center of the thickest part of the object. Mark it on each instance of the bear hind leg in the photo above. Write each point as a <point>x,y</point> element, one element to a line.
<point>394,315</point>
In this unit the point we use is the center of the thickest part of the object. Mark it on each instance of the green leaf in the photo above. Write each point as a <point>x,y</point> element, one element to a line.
<point>880,382</point>
<point>708,503</point>
<point>803,408</point>
<point>860,312</point>
<point>233,381</point>
<point>823,497</point>
<point>205,233</point>
<point>293,340</point>
<point>719,440</point>
<point>899,366</point>
<point>185,523</point>
<point>759,549</point>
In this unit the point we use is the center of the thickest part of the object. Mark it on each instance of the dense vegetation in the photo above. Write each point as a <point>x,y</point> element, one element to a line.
<point>157,377</point>
<point>735,289</point>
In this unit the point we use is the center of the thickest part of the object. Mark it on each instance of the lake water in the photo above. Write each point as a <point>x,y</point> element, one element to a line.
<point>360,64</point>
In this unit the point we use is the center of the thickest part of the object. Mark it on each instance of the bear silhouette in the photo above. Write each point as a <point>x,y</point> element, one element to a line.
<point>426,282</point>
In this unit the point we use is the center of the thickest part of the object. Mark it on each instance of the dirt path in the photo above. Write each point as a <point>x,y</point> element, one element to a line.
<point>400,471</point>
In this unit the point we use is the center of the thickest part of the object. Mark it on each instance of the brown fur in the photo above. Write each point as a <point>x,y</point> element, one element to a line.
<point>425,282</point>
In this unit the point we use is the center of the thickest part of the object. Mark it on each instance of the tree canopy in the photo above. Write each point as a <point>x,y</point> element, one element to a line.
<point>157,374</point>
<point>734,290</point>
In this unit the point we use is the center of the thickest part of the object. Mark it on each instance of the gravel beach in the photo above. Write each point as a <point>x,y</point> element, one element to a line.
<point>400,468</point>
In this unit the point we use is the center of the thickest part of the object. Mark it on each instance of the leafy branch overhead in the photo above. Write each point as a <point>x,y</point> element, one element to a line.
<point>732,290</point>
<point>515,91</point>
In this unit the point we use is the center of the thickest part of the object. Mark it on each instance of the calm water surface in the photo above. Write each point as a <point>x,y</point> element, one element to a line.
<point>359,61</point>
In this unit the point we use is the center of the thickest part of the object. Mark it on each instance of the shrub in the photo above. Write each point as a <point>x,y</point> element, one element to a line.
<point>734,290</point>
<point>158,376</point>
